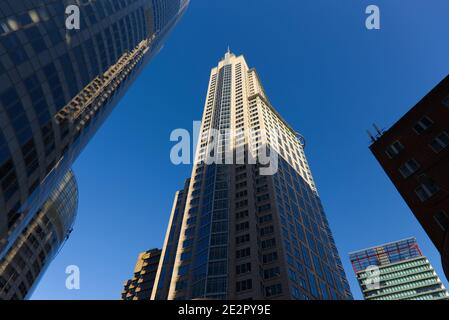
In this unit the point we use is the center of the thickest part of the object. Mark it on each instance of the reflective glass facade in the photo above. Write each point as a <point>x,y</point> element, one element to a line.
<point>169,250</point>
<point>37,245</point>
<point>57,86</point>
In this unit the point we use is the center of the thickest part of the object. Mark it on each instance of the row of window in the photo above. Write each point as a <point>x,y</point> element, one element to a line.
<point>439,143</point>
<point>427,187</point>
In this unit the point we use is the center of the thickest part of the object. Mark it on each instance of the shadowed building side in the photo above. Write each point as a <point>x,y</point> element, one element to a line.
<point>414,153</point>
<point>141,285</point>
<point>168,256</point>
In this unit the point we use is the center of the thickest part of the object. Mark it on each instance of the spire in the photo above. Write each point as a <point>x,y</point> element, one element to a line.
<point>228,53</point>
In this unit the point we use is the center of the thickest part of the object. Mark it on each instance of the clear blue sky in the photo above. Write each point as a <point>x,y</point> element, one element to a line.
<point>325,73</point>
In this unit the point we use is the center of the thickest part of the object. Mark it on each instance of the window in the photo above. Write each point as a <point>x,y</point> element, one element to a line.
<point>218,253</point>
<point>186,256</point>
<point>242,226</point>
<point>16,51</point>
<point>409,168</point>
<point>242,239</point>
<point>187,244</point>
<point>292,275</point>
<point>442,219</point>
<point>266,231</point>
<point>180,285</point>
<point>243,253</point>
<point>446,101</point>
<point>394,149</point>
<point>266,218</point>
<point>273,290</point>
<point>423,124</point>
<point>242,214</point>
<point>264,208</point>
<point>296,293</point>
<point>216,285</point>
<point>243,268</point>
<point>189,232</point>
<point>22,288</point>
<point>220,227</point>
<point>270,243</point>
<point>440,142</point>
<point>244,285</point>
<point>270,257</point>
<point>219,239</point>
<point>217,268</point>
<point>427,189</point>
<point>183,270</point>
<point>313,285</point>
<point>271,273</point>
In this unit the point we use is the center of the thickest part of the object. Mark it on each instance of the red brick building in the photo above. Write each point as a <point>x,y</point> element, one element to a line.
<point>414,153</point>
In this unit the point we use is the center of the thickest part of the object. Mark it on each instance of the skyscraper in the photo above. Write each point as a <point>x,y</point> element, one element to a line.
<point>141,285</point>
<point>414,153</point>
<point>57,87</point>
<point>31,253</point>
<point>397,271</point>
<point>253,229</point>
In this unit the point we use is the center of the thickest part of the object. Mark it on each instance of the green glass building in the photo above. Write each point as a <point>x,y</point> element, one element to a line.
<point>397,271</point>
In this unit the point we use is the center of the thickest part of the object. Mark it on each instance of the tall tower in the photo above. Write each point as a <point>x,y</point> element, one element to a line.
<point>58,86</point>
<point>397,271</point>
<point>251,228</point>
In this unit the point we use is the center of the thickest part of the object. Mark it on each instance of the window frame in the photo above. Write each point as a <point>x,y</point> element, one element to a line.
<point>392,147</point>
<point>440,142</point>
<point>423,126</point>
<point>408,167</point>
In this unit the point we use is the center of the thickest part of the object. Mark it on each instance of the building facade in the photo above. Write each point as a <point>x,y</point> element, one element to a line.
<point>170,247</point>
<point>414,153</point>
<point>141,285</point>
<point>37,245</point>
<point>57,87</point>
<point>253,226</point>
<point>397,271</point>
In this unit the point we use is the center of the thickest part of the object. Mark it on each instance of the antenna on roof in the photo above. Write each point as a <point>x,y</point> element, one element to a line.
<point>373,139</point>
<point>378,135</point>
<point>228,53</point>
<point>379,132</point>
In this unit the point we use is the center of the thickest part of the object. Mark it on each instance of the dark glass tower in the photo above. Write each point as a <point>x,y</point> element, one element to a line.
<point>170,248</point>
<point>37,245</point>
<point>57,87</point>
<point>241,232</point>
